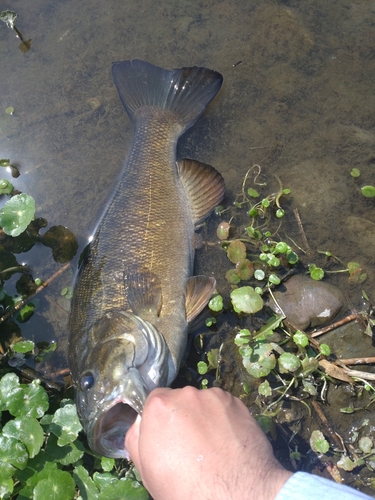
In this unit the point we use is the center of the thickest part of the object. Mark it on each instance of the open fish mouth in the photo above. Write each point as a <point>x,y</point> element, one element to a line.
<point>109,428</point>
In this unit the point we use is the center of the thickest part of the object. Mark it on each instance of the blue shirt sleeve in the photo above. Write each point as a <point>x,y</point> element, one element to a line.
<point>304,486</point>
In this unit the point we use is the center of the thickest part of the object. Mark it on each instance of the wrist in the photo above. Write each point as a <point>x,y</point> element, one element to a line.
<point>272,480</point>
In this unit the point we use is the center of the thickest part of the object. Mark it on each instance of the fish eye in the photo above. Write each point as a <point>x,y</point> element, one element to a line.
<point>87,381</point>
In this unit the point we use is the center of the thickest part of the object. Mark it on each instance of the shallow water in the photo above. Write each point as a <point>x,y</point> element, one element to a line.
<point>297,99</point>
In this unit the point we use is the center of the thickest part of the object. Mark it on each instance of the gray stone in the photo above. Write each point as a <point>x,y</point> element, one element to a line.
<point>306,302</point>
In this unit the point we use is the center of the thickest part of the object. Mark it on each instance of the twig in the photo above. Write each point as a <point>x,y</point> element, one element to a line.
<point>54,304</point>
<point>332,326</point>
<point>357,361</point>
<point>301,230</point>
<point>327,425</point>
<point>39,289</point>
<point>31,374</point>
<point>357,373</point>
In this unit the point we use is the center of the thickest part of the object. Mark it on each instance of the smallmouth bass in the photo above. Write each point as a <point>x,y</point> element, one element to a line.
<point>135,294</point>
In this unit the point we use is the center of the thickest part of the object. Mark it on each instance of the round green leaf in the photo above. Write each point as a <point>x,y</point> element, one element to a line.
<point>264,389</point>
<point>12,452</point>
<point>259,274</point>
<point>346,464</point>
<point>316,273</point>
<point>123,488</point>
<point>244,269</point>
<point>288,362</point>
<point>85,484</point>
<point>273,260</point>
<point>6,487</point>
<point>253,193</point>
<point>274,279</point>
<point>355,172</point>
<point>5,187</point>
<point>246,300</point>
<point>25,313</point>
<point>17,213</point>
<point>23,346</point>
<point>8,384</point>
<point>325,349</point>
<point>368,191</point>
<point>292,258</point>
<point>58,486</point>
<point>202,368</point>
<point>107,464</point>
<point>213,357</point>
<point>216,303</point>
<point>236,251</point>
<point>65,455</point>
<point>281,247</point>
<point>318,442</point>
<point>65,424</point>
<point>232,277</point>
<point>300,338</point>
<point>27,430</point>
<point>210,321</point>
<point>29,400</point>
<point>261,361</point>
<point>365,444</point>
<point>243,337</point>
<point>245,351</point>
<point>222,230</point>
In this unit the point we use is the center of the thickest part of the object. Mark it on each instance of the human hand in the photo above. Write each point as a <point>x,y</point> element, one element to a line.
<point>202,445</point>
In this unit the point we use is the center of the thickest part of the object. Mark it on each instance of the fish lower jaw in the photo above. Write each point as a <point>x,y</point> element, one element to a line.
<point>107,433</point>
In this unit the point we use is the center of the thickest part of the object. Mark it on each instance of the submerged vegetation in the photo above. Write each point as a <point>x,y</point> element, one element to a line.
<point>282,365</point>
<point>9,18</point>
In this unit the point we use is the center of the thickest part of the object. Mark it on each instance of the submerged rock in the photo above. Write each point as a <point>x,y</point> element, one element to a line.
<point>307,303</point>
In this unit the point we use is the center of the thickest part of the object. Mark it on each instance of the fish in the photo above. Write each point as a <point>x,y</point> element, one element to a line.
<point>135,294</point>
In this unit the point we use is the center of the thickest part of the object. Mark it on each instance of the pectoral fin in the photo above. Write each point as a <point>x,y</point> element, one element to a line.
<point>198,292</point>
<point>204,186</point>
<point>144,294</point>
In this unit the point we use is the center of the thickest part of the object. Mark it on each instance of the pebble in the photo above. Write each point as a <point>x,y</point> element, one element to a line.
<point>306,302</point>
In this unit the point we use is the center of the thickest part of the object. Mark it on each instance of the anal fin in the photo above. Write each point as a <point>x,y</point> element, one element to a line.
<point>204,186</point>
<point>199,290</point>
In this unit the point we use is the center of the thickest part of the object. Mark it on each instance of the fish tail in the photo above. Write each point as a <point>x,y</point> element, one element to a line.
<point>185,92</point>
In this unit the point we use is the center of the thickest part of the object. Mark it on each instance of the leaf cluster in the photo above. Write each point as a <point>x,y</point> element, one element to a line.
<point>41,455</point>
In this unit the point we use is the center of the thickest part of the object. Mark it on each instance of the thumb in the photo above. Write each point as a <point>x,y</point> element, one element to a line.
<point>131,441</point>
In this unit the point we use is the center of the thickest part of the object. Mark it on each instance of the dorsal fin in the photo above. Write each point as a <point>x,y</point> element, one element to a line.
<point>144,294</point>
<point>198,292</point>
<point>204,186</point>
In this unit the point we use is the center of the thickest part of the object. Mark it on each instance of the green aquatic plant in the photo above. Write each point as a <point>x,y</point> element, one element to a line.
<point>17,213</point>
<point>355,172</point>
<point>6,187</point>
<point>316,273</point>
<point>368,191</point>
<point>9,18</point>
<point>318,442</point>
<point>246,300</point>
<point>42,451</point>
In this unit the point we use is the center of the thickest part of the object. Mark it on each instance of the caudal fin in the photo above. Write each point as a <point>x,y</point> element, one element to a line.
<point>185,91</point>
